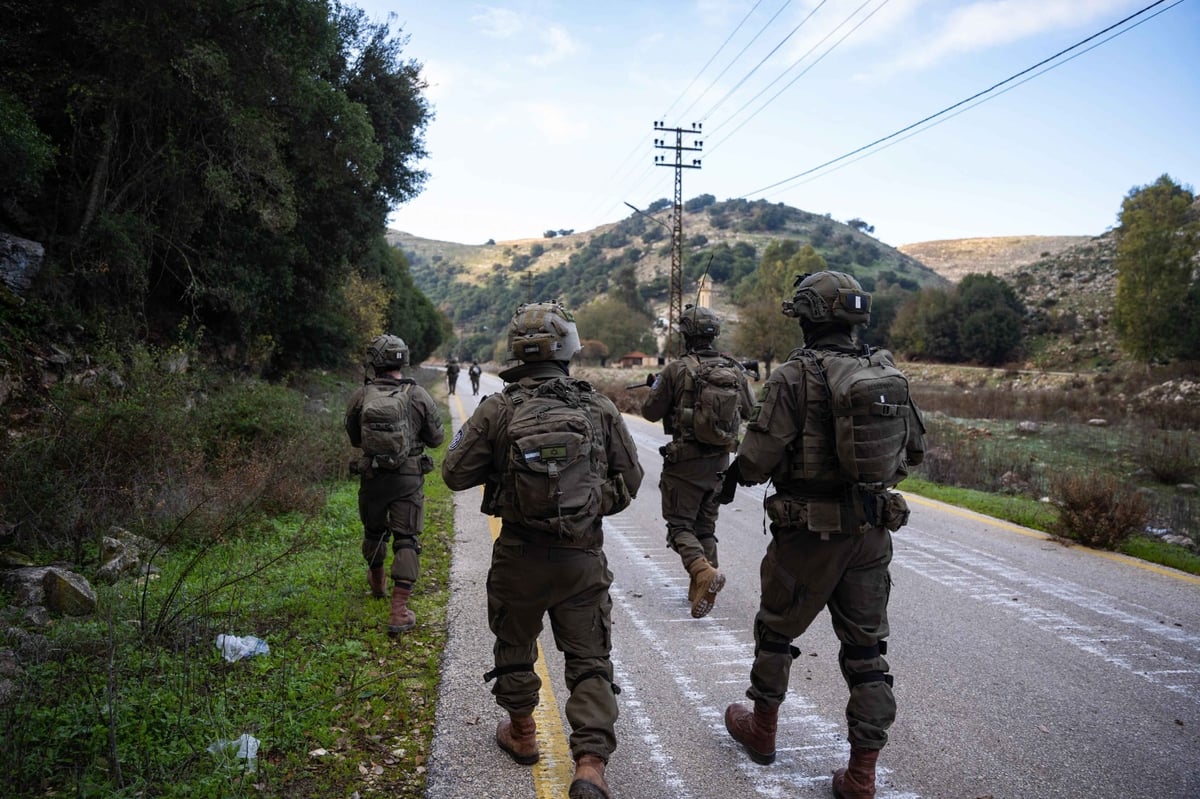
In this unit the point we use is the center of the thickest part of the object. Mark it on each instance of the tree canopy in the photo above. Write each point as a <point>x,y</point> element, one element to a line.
<point>1156,314</point>
<point>226,162</point>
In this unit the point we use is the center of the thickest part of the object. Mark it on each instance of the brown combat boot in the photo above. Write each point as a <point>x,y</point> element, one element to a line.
<point>857,780</point>
<point>377,582</point>
<point>706,583</point>
<point>754,729</point>
<point>589,779</point>
<point>402,619</point>
<point>517,735</point>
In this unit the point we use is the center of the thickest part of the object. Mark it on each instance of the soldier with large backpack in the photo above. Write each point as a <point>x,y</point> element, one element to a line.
<point>701,399</point>
<point>392,420</point>
<point>836,430</point>
<point>554,457</point>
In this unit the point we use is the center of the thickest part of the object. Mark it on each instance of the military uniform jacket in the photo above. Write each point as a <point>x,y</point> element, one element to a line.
<point>477,453</point>
<point>666,396</point>
<point>426,421</point>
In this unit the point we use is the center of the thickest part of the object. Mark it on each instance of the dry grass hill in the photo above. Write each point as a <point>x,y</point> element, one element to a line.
<point>1000,255</point>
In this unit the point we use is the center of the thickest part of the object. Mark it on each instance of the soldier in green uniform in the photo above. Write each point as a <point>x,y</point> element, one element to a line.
<point>391,498</point>
<point>830,540</point>
<point>692,467</point>
<point>553,457</point>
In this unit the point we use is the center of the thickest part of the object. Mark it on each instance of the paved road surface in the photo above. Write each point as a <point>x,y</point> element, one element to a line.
<point>1024,669</point>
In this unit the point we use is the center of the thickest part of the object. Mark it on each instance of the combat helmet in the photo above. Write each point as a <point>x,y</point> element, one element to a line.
<point>825,297</point>
<point>697,322</point>
<point>542,331</point>
<point>387,352</point>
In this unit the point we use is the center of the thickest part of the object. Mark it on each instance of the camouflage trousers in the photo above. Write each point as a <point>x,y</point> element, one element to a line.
<point>392,505</point>
<point>848,574</point>
<point>526,583</point>
<point>689,506</point>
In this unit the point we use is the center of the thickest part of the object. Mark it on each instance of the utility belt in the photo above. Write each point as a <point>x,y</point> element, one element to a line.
<point>856,510</point>
<point>682,449</point>
<point>417,461</point>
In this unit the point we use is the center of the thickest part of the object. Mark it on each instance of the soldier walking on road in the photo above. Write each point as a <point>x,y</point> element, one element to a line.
<point>834,431</point>
<point>554,457</point>
<point>474,373</point>
<point>701,399</point>
<point>452,369</point>
<point>392,420</point>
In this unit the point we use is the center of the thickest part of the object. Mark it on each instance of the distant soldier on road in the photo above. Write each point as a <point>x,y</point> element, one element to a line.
<point>554,457</point>
<point>701,399</point>
<point>834,432</point>
<point>474,373</point>
<point>452,370</point>
<point>392,420</point>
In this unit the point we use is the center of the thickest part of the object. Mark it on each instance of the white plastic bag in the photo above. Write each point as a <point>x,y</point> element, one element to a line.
<point>247,749</point>
<point>236,647</point>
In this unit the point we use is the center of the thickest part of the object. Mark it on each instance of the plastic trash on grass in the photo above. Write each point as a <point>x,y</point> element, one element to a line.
<point>236,647</point>
<point>245,747</point>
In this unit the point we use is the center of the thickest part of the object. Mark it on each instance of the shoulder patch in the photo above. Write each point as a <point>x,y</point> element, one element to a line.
<point>457,437</point>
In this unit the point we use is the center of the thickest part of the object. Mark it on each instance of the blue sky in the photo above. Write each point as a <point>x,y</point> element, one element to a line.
<point>545,110</point>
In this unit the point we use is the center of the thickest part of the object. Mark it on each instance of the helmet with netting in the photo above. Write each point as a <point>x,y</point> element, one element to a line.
<point>825,297</point>
<point>387,352</point>
<point>542,331</point>
<point>697,322</point>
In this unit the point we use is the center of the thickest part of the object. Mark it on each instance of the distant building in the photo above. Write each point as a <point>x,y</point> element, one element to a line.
<point>632,359</point>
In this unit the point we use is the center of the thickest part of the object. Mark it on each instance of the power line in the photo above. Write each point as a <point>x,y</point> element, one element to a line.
<point>983,100</point>
<point>774,49</point>
<point>960,103</point>
<point>736,57</point>
<point>711,59</point>
<point>803,72</point>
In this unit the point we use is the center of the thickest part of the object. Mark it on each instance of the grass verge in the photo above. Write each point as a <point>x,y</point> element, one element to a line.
<point>107,709</point>
<point>1040,516</point>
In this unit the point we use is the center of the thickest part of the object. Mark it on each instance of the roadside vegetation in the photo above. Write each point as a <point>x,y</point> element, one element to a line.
<point>243,489</point>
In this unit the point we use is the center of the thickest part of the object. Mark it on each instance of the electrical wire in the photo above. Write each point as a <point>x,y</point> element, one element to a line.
<point>711,59</point>
<point>981,101</point>
<point>803,72</point>
<point>774,50</point>
<point>736,57</point>
<point>959,104</point>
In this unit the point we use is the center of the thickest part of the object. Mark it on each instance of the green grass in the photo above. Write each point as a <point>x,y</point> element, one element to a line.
<point>1040,516</point>
<point>128,702</point>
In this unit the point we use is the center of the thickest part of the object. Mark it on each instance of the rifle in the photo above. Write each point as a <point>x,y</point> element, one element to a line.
<point>649,381</point>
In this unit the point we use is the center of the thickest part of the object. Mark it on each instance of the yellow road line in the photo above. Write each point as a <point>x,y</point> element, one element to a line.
<point>553,772</point>
<point>1015,528</point>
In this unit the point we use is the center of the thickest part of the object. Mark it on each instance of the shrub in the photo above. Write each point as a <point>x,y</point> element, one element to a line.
<point>1097,510</point>
<point>1170,455</point>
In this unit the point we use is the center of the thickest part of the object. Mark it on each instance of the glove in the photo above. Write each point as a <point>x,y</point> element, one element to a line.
<point>650,378</point>
<point>729,484</point>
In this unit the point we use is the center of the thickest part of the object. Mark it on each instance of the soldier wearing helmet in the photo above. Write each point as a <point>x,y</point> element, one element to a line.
<point>692,466</point>
<point>826,550</point>
<point>553,566</point>
<point>392,419</point>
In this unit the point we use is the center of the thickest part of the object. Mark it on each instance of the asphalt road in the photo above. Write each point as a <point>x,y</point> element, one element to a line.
<point>1024,669</point>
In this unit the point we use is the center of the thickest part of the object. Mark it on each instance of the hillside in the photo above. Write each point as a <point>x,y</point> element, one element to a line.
<point>477,286</point>
<point>1001,255</point>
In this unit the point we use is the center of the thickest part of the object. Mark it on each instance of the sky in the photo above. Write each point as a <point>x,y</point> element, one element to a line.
<point>545,110</point>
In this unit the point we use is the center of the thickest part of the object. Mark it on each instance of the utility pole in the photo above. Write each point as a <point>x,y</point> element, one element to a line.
<point>675,304</point>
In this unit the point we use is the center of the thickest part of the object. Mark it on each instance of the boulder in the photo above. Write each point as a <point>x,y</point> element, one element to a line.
<point>20,261</point>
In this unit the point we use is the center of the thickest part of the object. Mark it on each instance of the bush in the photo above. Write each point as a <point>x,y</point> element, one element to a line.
<point>1170,455</point>
<point>1097,510</point>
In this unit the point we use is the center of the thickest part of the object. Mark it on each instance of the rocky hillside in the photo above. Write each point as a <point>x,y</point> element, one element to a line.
<point>1001,255</point>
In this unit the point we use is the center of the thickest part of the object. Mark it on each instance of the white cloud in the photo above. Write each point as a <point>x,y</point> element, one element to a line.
<point>499,23</point>
<point>559,44</point>
<point>984,25</point>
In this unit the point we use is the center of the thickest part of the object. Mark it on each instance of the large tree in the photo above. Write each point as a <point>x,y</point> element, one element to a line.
<point>1157,287</point>
<point>226,161</point>
<point>763,332</point>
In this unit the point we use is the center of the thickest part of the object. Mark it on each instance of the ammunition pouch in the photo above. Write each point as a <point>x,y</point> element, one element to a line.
<point>895,511</point>
<point>426,461</point>
<point>822,515</point>
<point>614,496</point>
<point>361,466</point>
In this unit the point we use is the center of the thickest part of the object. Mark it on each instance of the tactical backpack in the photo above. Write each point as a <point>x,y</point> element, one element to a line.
<point>873,416</point>
<point>388,437</point>
<point>556,464</point>
<point>711,402</point>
